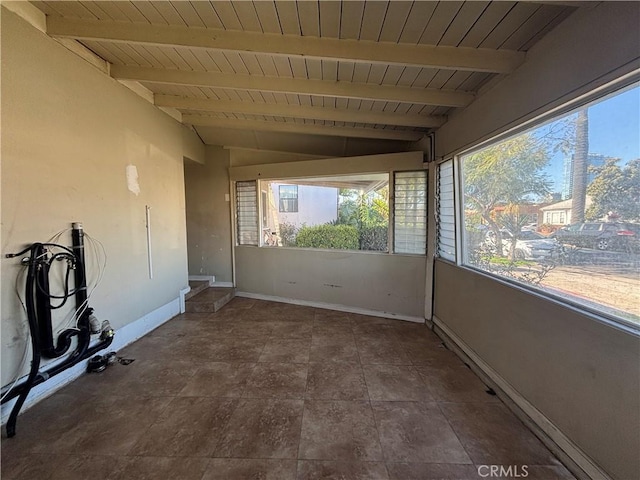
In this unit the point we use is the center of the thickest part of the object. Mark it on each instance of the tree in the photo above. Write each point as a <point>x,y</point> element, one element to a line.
<point>512,220</point>
<point>580,163</point>
<point>615,190</point>
<point>368,212</point>
<point>507,173</point>
<point>363,209</point>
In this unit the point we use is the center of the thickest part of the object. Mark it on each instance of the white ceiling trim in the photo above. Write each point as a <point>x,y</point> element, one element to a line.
<point>424,56</point>
<point>377,133</point>
<point>423,96</point>
<point>298,111</point>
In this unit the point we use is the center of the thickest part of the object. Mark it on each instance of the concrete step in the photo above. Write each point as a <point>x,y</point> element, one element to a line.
<point>196,288</point>
<point>210,300</point>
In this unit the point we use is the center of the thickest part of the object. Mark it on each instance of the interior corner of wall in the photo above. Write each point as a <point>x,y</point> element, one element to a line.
<point>192,146</point>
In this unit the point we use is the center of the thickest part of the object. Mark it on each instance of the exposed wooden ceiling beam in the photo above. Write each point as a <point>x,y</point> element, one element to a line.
<point>298,111</point>
<point>388,53</point>
<point>423,96</point>
<point>379,133</point>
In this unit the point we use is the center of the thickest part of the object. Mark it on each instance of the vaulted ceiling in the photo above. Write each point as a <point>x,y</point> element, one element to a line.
<point>263,74</point>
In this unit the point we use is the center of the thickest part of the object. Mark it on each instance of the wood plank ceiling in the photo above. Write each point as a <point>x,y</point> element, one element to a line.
<point>244,72</point>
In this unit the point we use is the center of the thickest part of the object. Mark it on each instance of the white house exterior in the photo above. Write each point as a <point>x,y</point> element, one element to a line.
<point>559,214</point>
<point>315,205</point>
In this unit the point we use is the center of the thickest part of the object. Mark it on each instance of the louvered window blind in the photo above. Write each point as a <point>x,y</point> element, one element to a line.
<point>247,211</point>
<point>410,212</point>
<point>445,212</point>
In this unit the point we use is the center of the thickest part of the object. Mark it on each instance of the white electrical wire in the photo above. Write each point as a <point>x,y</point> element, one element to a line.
<point>67,321</point>
<point>22,363</point>
<point>100,257</point>
<point>95,244</point>
<point>55,238</point>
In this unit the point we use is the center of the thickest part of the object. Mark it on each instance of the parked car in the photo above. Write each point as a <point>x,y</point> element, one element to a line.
<point>600,235</point>
<point>529,245</point>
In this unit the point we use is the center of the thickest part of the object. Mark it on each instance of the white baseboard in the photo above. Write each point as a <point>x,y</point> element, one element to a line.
<point>331,306</point>
<point>203,278</point>
<point>139,328</point>
<point>545,429</point>
<point>222,284</point>
<point>124,336</point>
<point>183,294</point>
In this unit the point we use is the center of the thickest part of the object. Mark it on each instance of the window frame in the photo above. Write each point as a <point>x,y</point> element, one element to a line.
<point>390,235</point>
<point>609,89</point>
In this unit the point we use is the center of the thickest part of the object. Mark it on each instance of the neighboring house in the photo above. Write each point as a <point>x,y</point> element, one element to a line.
<point>560,213</point>
<point>300,205</point>
<point>530,210</point>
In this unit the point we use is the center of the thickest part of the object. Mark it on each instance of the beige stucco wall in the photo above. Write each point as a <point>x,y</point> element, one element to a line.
<point>68,133</point>
<point>385,283</point>
<point>277,169</point>
<point>246,156</point>
<point>207,184</point>
<point>581,373</point>
<point>209,215</point>
<point>393,284</point>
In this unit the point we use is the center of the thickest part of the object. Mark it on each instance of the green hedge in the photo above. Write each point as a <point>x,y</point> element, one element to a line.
<point>343,237</point>
<point>374,238</point>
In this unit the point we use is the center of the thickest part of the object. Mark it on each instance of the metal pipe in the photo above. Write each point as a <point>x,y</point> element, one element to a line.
<point>79,274</point>
<point>148,220</point>
<point>80,278</point>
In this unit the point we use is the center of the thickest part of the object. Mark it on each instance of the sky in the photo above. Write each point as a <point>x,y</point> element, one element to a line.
<point>614,131</point>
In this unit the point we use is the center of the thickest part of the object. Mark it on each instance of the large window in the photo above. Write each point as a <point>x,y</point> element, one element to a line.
<point>579,174</point>
<point>348,212</point>
<point>345,212</point>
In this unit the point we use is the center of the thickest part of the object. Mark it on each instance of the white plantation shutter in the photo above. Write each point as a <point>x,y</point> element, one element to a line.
<point>247,211</point>
<point>445,212</point>
<point>410,212</point>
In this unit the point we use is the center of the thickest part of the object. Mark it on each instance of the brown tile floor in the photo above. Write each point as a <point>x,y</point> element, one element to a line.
<point>264,390</point>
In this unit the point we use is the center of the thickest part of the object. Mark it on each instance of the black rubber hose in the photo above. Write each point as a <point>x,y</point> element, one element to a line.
<point>64,344</point>
<point>48,347</point>
<point>35,344</point>
<point>43,312</point>
<point>34,292</point>
<point>61,367</point>
<point>65,296</point>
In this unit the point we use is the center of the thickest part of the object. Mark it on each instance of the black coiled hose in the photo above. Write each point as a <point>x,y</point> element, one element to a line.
<point>36,250</point>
